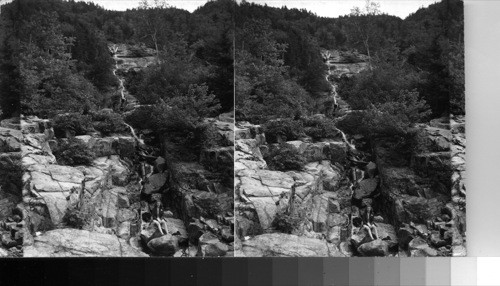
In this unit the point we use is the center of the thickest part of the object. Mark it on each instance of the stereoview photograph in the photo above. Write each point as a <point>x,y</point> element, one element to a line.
<point>350,128</point>
<point>117,129</point>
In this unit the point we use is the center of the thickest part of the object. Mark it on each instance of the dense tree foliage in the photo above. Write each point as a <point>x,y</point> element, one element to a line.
<point>55,51</point>
<point>54,54</point>
<point>416,64</point>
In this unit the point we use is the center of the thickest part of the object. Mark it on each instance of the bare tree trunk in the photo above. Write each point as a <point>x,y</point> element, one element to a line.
<point>367,47</point>
<point>155,40</point>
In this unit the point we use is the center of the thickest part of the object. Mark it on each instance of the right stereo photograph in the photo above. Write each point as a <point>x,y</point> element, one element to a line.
<point>350,129</point>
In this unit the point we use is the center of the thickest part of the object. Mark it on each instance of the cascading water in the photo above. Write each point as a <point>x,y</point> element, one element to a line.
<point>334,88</point>
<point>137,139</point>
<point>114,50</point>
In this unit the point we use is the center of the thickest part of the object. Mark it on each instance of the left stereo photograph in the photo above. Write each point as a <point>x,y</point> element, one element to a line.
<point>117,128</point>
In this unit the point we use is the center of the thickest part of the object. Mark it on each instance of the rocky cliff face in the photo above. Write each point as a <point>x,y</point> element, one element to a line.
<point>424,195</point>
<point>319,189</point>
<point>104,208</point>
<point>418,215</point>
<point>11,216</point>
<point>100,198</point>
<point>418,195</point>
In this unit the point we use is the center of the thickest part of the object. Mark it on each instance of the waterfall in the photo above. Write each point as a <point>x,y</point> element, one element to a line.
<point>349,144</point>
<point>114,50</point>
<point>122,88</point>
<point>132,131</point>
<point>334,88</point>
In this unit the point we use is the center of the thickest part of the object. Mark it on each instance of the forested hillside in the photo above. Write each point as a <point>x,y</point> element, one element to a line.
<point>422,55</point>
<point>127,129</point>
<point>57,51</point>
<point>350,134</point>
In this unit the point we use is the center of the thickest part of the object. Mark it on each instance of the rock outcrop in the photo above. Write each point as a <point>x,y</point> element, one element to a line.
<point>324,203</point>
<point>101,198</point>
<point>425,194</point>
<point>283,245</point>
<point>317,190</point>
<point>79,243</point>
<point>11,216</point>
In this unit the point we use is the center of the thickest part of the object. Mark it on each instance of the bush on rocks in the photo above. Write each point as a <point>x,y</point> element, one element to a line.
<point>284,130</point>
<point>72,123</point>
<point>374,123</point>
<point>318,128</point>
<point>285,158</point>
<point>286,222</point>
<point>78,217</point>
<point>73,152</point>
<point>141,117</point>
<point>108,122</point>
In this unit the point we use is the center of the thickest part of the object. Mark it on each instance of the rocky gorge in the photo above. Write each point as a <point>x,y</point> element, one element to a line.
<point>11,215</point>
<point>104,208</point>
<point>417,194</point>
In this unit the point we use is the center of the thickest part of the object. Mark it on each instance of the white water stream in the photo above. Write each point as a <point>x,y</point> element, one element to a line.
<point>114,50</point>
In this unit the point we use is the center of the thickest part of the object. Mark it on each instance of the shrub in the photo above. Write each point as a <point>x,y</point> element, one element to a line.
<point>285,158</point>
<point>319,128</point>
<point>73,152</point>
<point>108,122</point>
<point>74,218</point>
<point>74,123</point>
<point>210,137</point>
<point>286,129</point>
<point>373,123</point>
<point>78,217</point>
<point>286,222</point>
<point>11,173</point>
<point>141,117</point>
<point>351,123</point>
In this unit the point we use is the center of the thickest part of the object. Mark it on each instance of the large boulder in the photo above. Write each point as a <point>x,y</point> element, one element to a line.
<point>79,243</point>
<point>374,248</point>
<point>284,245</point>
<point>365,189</point>
<point>176,227</point>
<point>210,246</point>
<point>165,245</point>
<point>155,182</point>
<point>10,140</point>
<point>419,247</point>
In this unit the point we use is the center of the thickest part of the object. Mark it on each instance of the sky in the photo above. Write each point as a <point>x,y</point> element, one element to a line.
<point>324,8</point>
